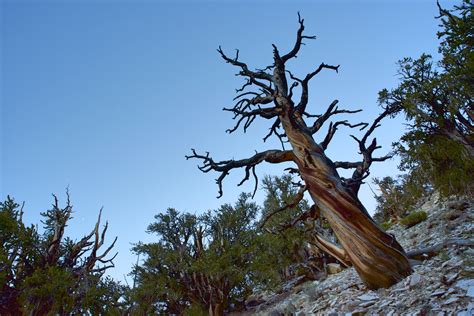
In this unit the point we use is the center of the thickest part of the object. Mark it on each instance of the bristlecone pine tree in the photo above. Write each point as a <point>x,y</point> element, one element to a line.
<point>50,274</point>
<point>378,257</point>
<point>437,99</point>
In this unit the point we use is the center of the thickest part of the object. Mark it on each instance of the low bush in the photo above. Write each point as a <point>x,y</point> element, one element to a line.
<point>413,219</point>
<point>386,225</point>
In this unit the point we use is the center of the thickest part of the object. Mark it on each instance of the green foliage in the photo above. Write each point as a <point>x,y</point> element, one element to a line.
<point>214,261</point>
<point>195,310</point>
<point>198,261</point>
<point>437,100</point>
<point>386,225</point>
<point>286,250</point>
<point>47,273</point>
<point>18,254</point>
<point>47,290</point>
<point>282,249</point>
<point>413,219</point>
<point>399,196</point>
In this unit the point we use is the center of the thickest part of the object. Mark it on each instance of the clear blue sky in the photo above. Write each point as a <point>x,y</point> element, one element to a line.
<point>107,97</point>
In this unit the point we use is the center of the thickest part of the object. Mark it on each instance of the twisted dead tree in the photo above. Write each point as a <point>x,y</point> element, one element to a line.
<point>269,93</point>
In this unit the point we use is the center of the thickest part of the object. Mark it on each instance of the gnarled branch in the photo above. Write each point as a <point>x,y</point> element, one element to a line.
<point>250,116</point>
<point>225,166</point>
<point>362,169</point>
<point>254,77</point>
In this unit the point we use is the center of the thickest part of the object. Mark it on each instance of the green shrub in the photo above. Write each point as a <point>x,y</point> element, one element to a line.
<point>413,219</point>
<point>386,225</point>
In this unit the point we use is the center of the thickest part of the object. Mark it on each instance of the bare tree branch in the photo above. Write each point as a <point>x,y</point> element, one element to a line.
<point>299,41</point>
<point>331,110</point>
<point>362,169</point>
<point>274,130</point>
<point>428,252</point>
<point>225,166</point>
<point>252,75</point>
<point>347,164</point>
<point>312,214</point>
<point>333,128</point>
<point>301,107</point>
<point>250,116</point>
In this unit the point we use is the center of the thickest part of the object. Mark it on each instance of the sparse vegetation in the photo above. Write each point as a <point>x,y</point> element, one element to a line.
<point>386,225</point>
<point>414,218</point>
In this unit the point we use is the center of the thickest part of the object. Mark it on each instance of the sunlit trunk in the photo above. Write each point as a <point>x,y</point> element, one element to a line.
<point>378,257</point>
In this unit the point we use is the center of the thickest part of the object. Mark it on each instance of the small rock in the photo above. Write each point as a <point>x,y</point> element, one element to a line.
<point>450,290</point>
<point>450,279</point>
<point>451,300</point>
<point>415,279</point>
<point>319,307</point>
<point>464,284</point>
<point>403,289</point>
<point>386,303</point>
<point>445,263</point>
<point>333,268</point>
<point>470,291</point>
<point>438,292</point>
<point>367,304</point>
<point>368,297</point>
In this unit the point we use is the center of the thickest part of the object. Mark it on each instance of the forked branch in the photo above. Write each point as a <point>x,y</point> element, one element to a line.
<point>254,77</point>
<point>333,128</point>
<point>301,107</point>
<point>332,109</point>
<point>242,111</point>
<point>299,41</point>
<point>361,171</point>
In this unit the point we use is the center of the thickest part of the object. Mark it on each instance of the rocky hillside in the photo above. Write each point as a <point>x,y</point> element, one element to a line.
<point>442,284</point>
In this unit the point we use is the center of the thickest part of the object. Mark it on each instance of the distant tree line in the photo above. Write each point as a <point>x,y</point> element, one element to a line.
<point>200,264</point>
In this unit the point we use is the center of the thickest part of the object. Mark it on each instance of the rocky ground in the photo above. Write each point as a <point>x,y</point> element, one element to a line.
<point>440,285</point>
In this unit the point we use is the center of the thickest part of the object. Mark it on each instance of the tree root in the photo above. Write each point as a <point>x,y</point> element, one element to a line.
<point>428,252</point>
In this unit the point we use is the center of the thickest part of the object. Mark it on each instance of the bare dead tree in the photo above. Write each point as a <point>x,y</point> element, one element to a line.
<point>83,257</point>
<point>269,93</point>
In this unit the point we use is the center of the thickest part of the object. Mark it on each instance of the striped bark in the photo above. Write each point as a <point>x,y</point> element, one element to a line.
<point>377,256</point>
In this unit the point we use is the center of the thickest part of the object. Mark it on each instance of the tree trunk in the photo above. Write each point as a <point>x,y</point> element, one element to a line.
<point>378,258</point>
